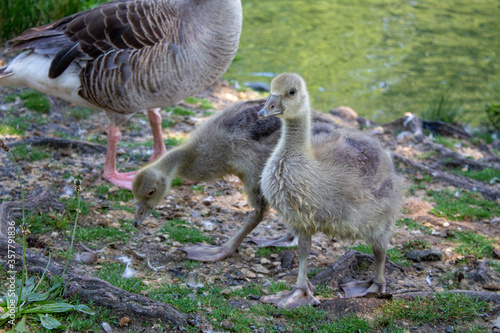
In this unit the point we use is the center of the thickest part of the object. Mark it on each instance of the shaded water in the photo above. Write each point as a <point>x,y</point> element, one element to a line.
<point>381,57</point>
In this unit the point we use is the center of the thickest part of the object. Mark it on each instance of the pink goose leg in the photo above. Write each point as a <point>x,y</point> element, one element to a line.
<point>124,180</point>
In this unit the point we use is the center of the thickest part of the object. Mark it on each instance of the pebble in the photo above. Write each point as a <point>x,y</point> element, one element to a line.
<point>227,324</point>
<point>260,269</point>
<point>265,261</point>
<point>424,255</point>
<point>249,274</point>
<point>124,321</point>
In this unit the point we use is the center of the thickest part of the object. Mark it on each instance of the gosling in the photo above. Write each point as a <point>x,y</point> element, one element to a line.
<point>234,141</point>
<point>341,183</point>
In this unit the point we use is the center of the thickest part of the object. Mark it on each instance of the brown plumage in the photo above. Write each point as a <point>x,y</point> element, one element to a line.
<point>234,141</point>
<point>129,55</point>
<point>341,183</point>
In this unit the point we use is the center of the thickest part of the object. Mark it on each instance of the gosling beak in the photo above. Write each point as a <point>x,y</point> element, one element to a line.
<point>273,107</point>
<point>141,212</point>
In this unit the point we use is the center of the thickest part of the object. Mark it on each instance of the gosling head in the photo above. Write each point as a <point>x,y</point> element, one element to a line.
<point>288,97</point>
<point>149,187</point>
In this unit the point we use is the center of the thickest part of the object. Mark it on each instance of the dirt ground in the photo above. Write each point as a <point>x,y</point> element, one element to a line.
<point>220,208</point>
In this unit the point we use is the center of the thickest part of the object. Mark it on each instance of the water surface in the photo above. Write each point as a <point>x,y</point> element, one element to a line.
<point>382,58</point>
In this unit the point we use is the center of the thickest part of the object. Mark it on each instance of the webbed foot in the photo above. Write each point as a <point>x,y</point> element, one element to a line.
<point>205,252</point>
<point>123,180</point>
<point>361,288</point>
<point>298,296</point>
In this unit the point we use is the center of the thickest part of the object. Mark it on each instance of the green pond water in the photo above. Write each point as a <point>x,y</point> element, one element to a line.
<point>382,58</point>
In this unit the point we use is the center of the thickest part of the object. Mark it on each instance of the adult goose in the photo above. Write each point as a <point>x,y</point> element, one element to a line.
<point>234,141</point>
<point>341,183</point>
<point>126,56</point>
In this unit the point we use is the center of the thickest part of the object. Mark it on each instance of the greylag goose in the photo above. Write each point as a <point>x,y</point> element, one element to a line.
<point>341,183</point>
<point>235,141</point>
<point>126,56</point>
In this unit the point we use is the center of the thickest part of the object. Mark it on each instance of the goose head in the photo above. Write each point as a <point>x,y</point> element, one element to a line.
<point>149,187</point>
<point>288,97</point>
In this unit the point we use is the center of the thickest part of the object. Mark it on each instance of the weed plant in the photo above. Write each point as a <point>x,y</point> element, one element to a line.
<point>28,301</point>
<point>443,109</point>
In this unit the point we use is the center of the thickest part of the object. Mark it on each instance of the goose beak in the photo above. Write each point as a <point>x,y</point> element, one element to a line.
<point>141,212</point>
<point>273,107</point>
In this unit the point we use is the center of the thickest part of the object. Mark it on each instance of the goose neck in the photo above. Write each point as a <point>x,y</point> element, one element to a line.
<point>296,134</point>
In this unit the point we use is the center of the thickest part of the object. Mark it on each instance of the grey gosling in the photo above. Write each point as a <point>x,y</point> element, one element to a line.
<point>235,141</point>
<point>129,55</point>
<point>341,183</point>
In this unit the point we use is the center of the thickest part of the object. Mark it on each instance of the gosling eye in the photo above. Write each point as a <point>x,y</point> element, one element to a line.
<point>151,193</point>
<point>292,92</point>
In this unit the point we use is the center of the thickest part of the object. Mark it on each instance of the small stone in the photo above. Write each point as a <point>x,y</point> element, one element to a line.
<point>208,200</point>
<point>446,224</point>
<point>449,329</point>
<point>261,269</point>
<point>227,324</point>
<point>249,274</point>
<point>404,136</point>
<point>124,321</point>
<point>265,261</point>
<point>226,292</point>
<point>106,327</point>
<point>276,263</point>
<point>87,258</point>
<point>113,189</point>
<point>249,251</point>
<point>64,197</point>
<point>424,255</point>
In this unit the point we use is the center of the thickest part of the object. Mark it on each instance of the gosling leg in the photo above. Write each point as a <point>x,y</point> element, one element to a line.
<point>288,240</point>
<point>303,292</point>
<point>375,285</point>
<point>205,252</point>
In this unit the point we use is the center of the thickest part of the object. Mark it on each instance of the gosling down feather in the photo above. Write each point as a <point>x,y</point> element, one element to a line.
<point>235,141</point>
<point>341,183</point>
<point>126,56</point>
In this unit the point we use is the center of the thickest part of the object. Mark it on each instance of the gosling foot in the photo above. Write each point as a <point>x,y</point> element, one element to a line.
<point>361,288</point>
<point>205,252</point>
<point>287,240</point>
<point>298,296</point>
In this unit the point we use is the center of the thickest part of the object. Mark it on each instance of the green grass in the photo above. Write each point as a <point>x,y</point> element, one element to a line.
<point>79,322</point>
<point>197,188</point>
<point>179,111</point>
<point>29,153</point>
<point>485,175</point>
<point>394,254</point>
<point>265,251</point>
<point>35,101</point>
<point>471,243</point>
<point>41,223</point>
<point>204,103</point>
<point>80,113</point>
<point>447,142</point>
<point>443,109</point>
<point>413,225</point>
<point>178,181</point>
<point>182,232</point>
<point>417,244</point>
<point>102,234</point>
<point>443,308</point>
<point>112,272</point>
<point>13,126</point>
<point>463,205</point>
<point>166,123</point>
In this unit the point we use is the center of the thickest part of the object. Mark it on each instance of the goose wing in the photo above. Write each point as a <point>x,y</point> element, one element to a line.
<point>114,26</point>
